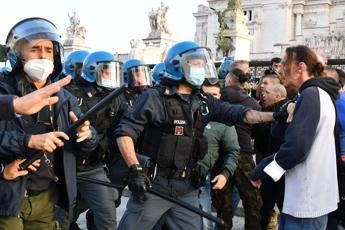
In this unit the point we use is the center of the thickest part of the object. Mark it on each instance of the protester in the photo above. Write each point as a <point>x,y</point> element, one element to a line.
<point>308,154</point>
<point>235,94</point>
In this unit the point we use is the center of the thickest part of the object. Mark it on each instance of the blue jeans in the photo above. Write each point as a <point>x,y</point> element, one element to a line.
<point>287,222</point>
<point>206,202</point>
<point>145,215</point>
<point>100,199</point>
<point>235,198</point>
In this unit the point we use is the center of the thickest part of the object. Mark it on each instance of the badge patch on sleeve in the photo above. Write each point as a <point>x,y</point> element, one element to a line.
<point>178,130</point>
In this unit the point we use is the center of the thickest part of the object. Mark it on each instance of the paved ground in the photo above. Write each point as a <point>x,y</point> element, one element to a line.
<point>238,220</point>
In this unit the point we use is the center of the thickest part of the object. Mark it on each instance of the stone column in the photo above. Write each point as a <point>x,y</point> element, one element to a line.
<point>298,10</point>
<point>298,25</point>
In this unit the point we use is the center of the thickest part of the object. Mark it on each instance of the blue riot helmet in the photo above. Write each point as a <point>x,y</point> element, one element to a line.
<point>224,68</point>
<point>136,75</point>
<point>189,62</point>
<point>158,72</point>
<point>73,63</point>
<point>5,70</point>
<point>29,31</point>
<point>102,68</point>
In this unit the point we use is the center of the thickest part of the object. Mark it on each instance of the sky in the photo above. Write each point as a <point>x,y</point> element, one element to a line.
<point>110,24</point>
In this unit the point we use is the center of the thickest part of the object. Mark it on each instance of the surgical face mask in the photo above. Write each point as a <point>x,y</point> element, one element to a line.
<point>108,83</point>
<point>196,76</point>
<point>39,69</point>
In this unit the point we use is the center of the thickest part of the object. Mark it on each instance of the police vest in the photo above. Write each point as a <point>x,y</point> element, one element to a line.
<point>179,142</point>
<point>130,97</point>
<point>103,122</point>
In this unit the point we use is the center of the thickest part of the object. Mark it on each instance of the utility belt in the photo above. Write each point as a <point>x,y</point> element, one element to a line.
<point>85,161</point>
<point>96,157</point>
<point>178,174</point>
<point>152,169</point>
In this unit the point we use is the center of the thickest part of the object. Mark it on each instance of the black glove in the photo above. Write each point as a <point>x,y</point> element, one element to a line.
<point>138,182</point>
<point>282,114</point>
<point>198,176</point>
<point>258,173</point>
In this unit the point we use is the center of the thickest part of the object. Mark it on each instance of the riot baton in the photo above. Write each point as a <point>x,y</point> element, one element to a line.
<point>95,109</point>
<point>161,195</point>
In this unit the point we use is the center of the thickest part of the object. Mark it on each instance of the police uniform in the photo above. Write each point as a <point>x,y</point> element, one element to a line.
<point>39,190</point>
<point>29,202</point>
<point>6,102</point>
<point>100,199</point>
<point>175,124</point>
<point>118,170</point>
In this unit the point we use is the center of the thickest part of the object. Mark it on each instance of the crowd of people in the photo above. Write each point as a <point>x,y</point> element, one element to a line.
<point>203,136</point>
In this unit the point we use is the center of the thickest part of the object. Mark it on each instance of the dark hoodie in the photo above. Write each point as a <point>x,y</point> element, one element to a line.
<point>332,88</point>
<point>236,95</point>
<point>305,122</point>
<point>326,83</point>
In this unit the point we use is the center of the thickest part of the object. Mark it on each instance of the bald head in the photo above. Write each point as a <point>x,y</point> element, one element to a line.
<point>273,94</point>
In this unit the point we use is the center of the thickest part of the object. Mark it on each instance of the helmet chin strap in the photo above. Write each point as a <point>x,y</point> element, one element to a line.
<point>193,87</point>
<point>136,89</point>
<point>141,88</point>
<point>185,88</point>
<point>20,57</point>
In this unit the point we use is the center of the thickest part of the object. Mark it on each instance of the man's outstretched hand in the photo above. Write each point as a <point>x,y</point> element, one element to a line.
<point>35,101</point>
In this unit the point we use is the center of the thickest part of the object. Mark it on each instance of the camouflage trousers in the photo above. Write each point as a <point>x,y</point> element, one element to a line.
<point>250,196</point>
<point>37,213</point>
<point>272,193</point>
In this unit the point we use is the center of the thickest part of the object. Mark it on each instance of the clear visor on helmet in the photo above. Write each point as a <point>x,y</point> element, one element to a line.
<point>108,74</point>
<point>29,32</point>
<point>140,76</point>
<point>198,61</point>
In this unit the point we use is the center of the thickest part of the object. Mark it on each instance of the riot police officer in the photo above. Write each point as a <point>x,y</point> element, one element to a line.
<point>5,70</point>
<point>137,78</point>
<point>106,71</point>
<point>158,72</point>
<point>35,51</point>
<point>175,117</point>
<point>82,84</point>
<point>73,64</point>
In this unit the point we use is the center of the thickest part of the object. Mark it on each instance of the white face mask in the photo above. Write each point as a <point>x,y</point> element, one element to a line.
<point>39,69</point>
<point>108,83</point>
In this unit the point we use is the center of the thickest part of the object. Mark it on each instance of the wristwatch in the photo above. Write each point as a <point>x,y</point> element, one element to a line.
<point>136,168</point>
